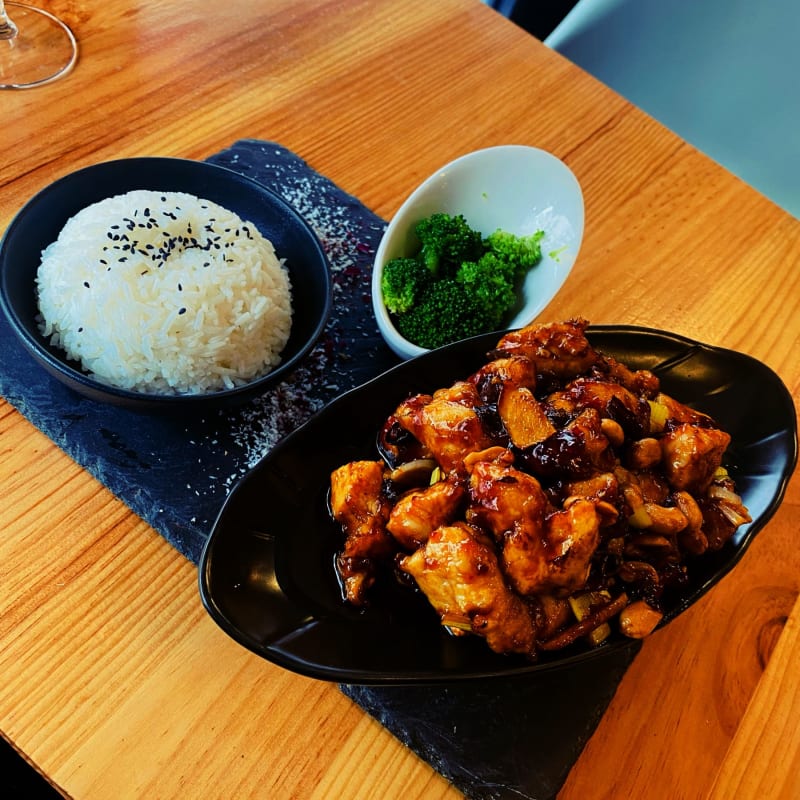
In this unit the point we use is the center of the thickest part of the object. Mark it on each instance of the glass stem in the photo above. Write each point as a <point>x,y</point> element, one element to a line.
<point>8,30</point>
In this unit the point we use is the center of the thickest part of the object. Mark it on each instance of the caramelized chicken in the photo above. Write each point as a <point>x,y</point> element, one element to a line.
<point>501,496</point>
<point>577,450</point>
<point>610,400</point>
<point>559,349</point>
<point>556,557</point>
<point>692,455</point>
<point>446,424</point>
<point>420,511</point>
<point>641,382</point>
<point>541,553</point>
<point>458,572</point>
<point>512,372</point>
<point>602,486</point>
<point>359,505</point>
<point>539,498</point>
<point>679,412</point>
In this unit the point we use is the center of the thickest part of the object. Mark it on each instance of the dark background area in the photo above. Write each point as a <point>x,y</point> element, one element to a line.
<point>538,17</point>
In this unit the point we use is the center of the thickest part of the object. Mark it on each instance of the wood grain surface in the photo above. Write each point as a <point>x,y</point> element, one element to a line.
<point>115,681</point>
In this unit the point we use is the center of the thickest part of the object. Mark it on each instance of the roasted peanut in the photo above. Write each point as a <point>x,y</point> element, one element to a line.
<point>689,508</point>
<point>668,521</point>
<point>613,431</point>
<point>644,453</point>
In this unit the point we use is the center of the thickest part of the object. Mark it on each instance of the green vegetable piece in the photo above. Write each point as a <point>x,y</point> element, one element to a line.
<point>523,252</point>
<point>459,284</point>
<point>447,241</point>
<point>402,282</point>
<point>446,312</point>
<point>490,282</point>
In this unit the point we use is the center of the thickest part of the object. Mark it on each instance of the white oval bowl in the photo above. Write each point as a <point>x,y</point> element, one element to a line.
<point>514,187</point>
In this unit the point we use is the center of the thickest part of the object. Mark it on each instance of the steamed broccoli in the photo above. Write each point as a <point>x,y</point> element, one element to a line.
<point>447,241</point>
<point>446,312</point>
<point>459,284</point>
<point>491,282</point>
<point>402,282</point>
<point>522,252</point>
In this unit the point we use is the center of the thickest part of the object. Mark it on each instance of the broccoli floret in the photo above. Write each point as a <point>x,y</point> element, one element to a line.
<point>490,281</point>
<point>446,311</point>
<point>459,284</point>
<point>523,252</point>
<point>402,282</point>
<point>447,241</point>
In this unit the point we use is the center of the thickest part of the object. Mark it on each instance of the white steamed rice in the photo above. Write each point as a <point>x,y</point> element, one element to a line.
<point>165,292</point>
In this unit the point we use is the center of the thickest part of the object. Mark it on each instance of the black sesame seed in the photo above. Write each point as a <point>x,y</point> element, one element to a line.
<point>86,284</point>
<point>181,310</point>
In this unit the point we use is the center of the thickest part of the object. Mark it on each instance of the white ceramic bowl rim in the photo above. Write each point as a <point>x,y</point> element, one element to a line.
<point>518,188</point>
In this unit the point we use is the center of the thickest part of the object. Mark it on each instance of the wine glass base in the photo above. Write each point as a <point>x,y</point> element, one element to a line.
<point>43,50</point>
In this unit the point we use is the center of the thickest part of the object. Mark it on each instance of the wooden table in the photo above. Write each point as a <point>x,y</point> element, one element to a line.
<point>115,682</point>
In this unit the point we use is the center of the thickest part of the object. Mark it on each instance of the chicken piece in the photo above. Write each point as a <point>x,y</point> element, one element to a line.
<point>359,505</point>
<point>540,553</point>
<point>602,486</point>
<point>446,424</point>
<point>610,399</point>
<point>420,511</point>
<point>692,455</point>
<point>502,496</point>
<point>556,557</point>
<point>641,382</point>
<point>559,349</point>
<point>513,371</point>
<point>396,445</point>
<point>576,451</point>
<point>680,412</point>
<point>458,571</point>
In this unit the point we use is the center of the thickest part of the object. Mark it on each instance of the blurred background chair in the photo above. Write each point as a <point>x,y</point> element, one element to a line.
<point>722,74</point>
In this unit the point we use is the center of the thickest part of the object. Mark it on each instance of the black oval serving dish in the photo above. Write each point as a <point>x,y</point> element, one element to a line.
<point>267,571</point>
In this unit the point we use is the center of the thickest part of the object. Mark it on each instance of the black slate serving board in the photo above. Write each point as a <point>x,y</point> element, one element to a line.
<point>515,739</point>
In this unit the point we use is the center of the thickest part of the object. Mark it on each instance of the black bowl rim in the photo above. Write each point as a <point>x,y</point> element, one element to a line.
<point>83,383</point>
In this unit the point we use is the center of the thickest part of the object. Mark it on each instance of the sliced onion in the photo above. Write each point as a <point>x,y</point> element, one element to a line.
<point>733,515</point>
<point>724,495</point>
